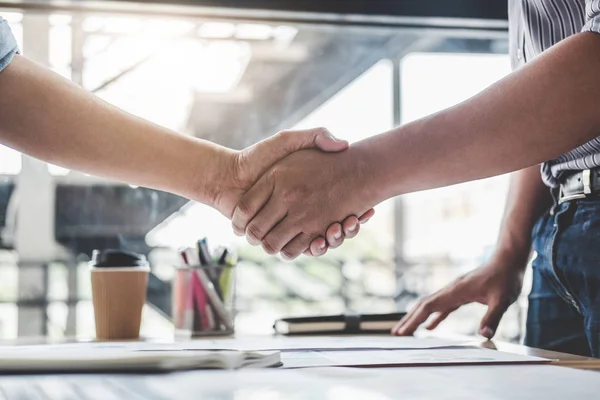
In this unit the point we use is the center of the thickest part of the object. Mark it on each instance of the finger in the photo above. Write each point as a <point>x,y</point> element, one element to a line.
<point>351,227</point>
<point>443,301</point>
<point>255,160</point>
<point>491,320</point>
<point>318,247</point>
<point>334,235</point>
<point>319,251</point>
<point>250,204</point>
<point>264,222</point>
<point>435,321</point>
<point>406,318</point>
<point>296,246</point>
<point>287,142</point>
<point>418,317</point>
<point>401,323</point>
<point>325,141</point>
<point>414,319</point>
<point>367,216</point>
<point>280,235</point>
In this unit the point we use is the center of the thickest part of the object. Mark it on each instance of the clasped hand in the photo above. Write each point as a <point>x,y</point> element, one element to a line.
<point>302,197</point>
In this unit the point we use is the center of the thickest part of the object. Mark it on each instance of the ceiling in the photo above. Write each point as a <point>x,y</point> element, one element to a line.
<point>458,13</point>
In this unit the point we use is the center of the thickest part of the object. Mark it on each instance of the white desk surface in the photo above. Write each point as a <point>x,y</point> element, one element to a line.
<point>469,382</point>
<point>513,382</point>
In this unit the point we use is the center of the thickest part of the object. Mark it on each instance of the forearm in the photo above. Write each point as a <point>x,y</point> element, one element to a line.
<point>50,118</point>
<point>527,199</point>
<point>535,114</point>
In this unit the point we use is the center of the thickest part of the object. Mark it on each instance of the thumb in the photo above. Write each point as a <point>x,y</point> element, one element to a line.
<point>287,142</point>
<point>491,320</point>
<point>325,141</point>
<point>255,160</point>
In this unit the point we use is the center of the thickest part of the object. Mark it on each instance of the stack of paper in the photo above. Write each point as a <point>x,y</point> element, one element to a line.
<point>126,357</point>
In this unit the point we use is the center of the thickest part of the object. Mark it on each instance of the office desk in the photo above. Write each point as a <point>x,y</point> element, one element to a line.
<point>491,382</point>
<point>558,359</point>
<point>520,382</point>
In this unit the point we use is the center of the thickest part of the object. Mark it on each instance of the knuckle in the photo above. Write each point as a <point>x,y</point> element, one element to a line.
<point>500,302</point>
<point>289,254</point>
<point>272,175</point>
<point>269,248</point>
<point>321,129</point>
<point>244,208</point>
<point>289,196</point>
<point>255,232</point>
<point>237,229</point>
<point>427,305</point>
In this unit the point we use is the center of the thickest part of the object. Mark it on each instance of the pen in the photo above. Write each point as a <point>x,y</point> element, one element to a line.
<point>205,261</point>
<point>214,299</point>
<point>203,252</point>
<point>201,304</point>
<point>225,281</point>
<point>187,296</point>
<point>210,290</point>
<point>223,258</point>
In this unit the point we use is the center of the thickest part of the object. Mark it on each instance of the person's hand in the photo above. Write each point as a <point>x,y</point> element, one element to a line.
<point>245,168</point>
<point>337,233</point>
<point>496,284</point>
<point>300,197</point>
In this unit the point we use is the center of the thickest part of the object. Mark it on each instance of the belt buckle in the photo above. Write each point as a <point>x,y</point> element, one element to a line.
<point>569,198</point>
<point>587,182</point>
<point>587,188</point>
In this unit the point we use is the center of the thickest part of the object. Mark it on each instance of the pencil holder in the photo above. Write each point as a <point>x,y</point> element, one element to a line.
<point>204,300</point>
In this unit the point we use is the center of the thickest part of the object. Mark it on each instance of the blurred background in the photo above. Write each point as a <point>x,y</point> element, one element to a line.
<point>235,75</point>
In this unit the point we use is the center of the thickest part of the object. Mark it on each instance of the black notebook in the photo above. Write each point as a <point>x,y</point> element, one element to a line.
<point>338,324</point>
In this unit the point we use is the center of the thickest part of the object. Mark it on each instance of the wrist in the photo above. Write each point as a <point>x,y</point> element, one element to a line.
<point>211,177</point>
<point>369,173</point>
<point>366,183</point>
<point>515,256</point>
<point>389,164</point>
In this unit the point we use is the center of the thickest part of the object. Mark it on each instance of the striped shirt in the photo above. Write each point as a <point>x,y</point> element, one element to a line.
<point>536,25</point>
<point>8,45</point>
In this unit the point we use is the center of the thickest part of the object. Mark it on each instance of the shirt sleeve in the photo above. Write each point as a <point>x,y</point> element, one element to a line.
<point>592,16</point>
<point>8,44</point>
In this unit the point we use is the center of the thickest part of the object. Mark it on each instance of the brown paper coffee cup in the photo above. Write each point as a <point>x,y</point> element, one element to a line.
<point>119,294</point>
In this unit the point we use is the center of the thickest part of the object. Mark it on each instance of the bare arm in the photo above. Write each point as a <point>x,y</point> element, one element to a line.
<point>535,114</point>
<point>50,118</point>
<point>499,281</point>
<point>540,111</point>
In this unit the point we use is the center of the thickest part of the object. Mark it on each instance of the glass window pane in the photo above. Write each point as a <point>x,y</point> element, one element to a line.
<point>10,161</point>
<point>451,230</point>
<point>235,83</point>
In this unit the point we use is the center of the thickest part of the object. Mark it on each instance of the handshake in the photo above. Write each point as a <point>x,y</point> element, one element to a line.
<point>296,192</point>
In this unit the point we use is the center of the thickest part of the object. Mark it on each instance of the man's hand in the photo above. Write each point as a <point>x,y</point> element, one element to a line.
<point>496,284</point>
<point>246,167</point>
<point>337,233</point>
<point>300,197</point>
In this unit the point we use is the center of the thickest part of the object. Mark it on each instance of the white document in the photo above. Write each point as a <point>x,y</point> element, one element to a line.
<point>407,358</point>
<point>315,343</point>
<point>126,357</point>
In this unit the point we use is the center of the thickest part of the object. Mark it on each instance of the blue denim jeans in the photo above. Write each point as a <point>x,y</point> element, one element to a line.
<point>564,304</point>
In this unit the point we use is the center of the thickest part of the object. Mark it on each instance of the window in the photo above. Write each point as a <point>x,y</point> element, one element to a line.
<point>234,83</point>
<point>450,231</point>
